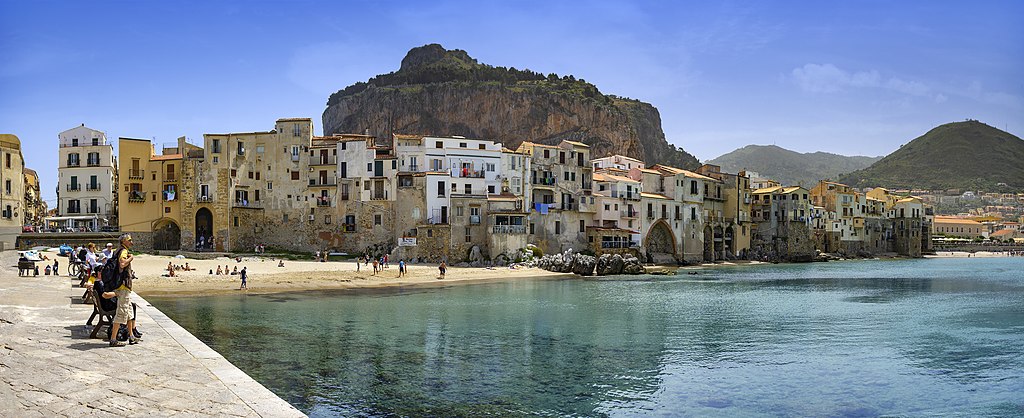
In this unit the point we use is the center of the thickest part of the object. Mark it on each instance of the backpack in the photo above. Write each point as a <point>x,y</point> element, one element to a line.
<point>81,254</point>
<point>111,272</point>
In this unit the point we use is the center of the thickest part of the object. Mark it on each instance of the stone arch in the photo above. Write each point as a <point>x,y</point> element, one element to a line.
<point>729,239</point>
<point>204,223</point>
<point>661,243</point>
<point>166,235</point>
<point>709,244</point>
<point>719,242</point>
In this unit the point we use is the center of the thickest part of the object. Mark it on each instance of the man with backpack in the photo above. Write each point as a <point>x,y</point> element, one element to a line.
<point>117,277</point>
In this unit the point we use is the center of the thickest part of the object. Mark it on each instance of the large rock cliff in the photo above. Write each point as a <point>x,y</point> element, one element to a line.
<point>445,93</point>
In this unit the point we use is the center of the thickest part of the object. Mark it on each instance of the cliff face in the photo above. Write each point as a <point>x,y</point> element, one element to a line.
<point>445,93</point>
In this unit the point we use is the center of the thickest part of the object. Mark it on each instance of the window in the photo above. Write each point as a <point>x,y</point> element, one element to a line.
<point>215,146</point>
<point>257,175</point>
<point>469,188</point>
<point>583,225</point>
<point>462,145</point>
<point>296,130</point>
<point>7,160</point>
<point>377,219</point>
<point>257,195</point>
<point>693,186</point>
<point>531,227</point>
<point>270,185</point>
<point>7,186</point>
<point>439,144</point>
<point>469,234</point>
<point>236,221</point>
<point>490,189</point>
<point>327,219</point>
<point>458,210</point>
<point>74,142</point>
<point>250,175</point>
<point>234,172</point>
<point>693,214</point>
<point>558,227</point>
<point>440,189</point>
<point>482,146</point>
<point>344,169</point>
<point>241,148</point>
<point>295,175</point>
<point>369,167</point>
<point>566,176</point>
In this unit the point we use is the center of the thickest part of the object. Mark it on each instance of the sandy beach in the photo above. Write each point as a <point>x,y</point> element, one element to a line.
<point>264,275</point>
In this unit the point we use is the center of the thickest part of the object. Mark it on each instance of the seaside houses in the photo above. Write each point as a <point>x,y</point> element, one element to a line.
<point>87,181</point>
<point>561,177</point>
<point>150,196</point>
<point>782,219</point>
<point>955,227</point>
<point>35,206</point>
<point>727,202</point>
<point>12,194</point>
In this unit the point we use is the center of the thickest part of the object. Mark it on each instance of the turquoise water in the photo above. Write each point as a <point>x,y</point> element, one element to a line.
<point>935,337</point>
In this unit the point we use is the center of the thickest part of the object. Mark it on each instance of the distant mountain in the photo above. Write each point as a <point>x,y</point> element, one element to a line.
<point>961,155</point>
<point>444,92</point>
<point>790,167</point>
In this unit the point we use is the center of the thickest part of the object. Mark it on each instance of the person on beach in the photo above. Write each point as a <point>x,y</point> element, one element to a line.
<point>243,276</point>
<point>56,267</point>
<point>401,268</point>
<point>124,314</point>
<point>385,260</point>
<point>108,252</point>
<point>358,261</point>
<point>442,268</point>
<point>375,266</point>
<point>219,271</point>
<point>280,263</point>
<point>170,269</point>
<point>235,271</point>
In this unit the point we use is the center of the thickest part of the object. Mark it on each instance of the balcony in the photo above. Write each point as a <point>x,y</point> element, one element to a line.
<point>466,173</point>
<point>544,181</point>
<point>625,195</point>
<point>74,187</point>
<point>587,185</point>
<point>73,209</point>
<point>348,227</point>
<point>93,163</point>
<point>323,201</point>
<point>319,160</point>
<point>204,198</point>
<point>678,217</point>
<point>379,196</point>
<point>136,174</point>
<point>436,220</point>
<point>509,229</point>
<point>247,204</point>
<point>136,196</point>
<point>170,177</point>
<point>323,182</point>
<point>567,206</point>
<point>413,167</point>
<point>92,187</point>
<point>650,216</point>
<point>630,214</point>
<point>619,244</point>
<point>474,219</point>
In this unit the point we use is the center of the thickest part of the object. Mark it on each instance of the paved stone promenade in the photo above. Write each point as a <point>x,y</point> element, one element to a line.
<point>50,367</point>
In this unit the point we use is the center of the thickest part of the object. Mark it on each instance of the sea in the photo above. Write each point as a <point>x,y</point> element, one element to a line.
<point>921,337</point>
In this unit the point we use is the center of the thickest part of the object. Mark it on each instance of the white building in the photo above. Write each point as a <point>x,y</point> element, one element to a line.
<point>87,176</point>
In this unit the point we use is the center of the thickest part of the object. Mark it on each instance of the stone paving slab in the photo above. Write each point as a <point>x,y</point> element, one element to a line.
<point>49,367</point>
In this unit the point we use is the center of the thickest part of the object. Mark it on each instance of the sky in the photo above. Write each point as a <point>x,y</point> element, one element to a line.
<point>852,77</point>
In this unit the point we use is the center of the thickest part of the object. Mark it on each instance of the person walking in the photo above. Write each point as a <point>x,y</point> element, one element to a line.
<point>442,268</point>
<point>123,292</point>
<point>244,276</point>
<point>358,261</point>
<point>401,268</point>
<point>375,267</point>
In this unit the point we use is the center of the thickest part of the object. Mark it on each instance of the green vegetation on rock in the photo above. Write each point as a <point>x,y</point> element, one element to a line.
<point>961,155</point>
<point>790,167</point>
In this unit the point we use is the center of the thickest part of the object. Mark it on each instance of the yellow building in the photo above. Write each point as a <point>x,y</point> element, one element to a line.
<point>35,206</point>
<point>150,192</point>
<point>12,190</point>
<point>951,226</point>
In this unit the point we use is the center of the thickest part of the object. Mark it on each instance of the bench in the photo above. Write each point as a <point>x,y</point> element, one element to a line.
<point>104,317</point>
<point>26,267</point>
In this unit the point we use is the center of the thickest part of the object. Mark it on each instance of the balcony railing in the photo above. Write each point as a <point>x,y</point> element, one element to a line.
<point>348,227</point>
<point>135,174</point>
<point>330,160</point>
<point>247,204</point>
<point>93,187</point>
<point>544,181</point>
<point>474,219</point>
<point>136,196</point>
<point>619,244</point>
<point>436,220</point>
<point>170,177</point>
<point>323,201</point>
<point>475,174</point>
<point>93,163</point>
<point>74,163</point>
<point>626,195</point>
<point>74,187</point>
<point>204,198</point>
<point>630,214</point>
<point>323,182</point>
<point>509,229</point>
<point>650,216</point>
<point>379,196</point>
<point>413,167</point>
<point>74,210</point>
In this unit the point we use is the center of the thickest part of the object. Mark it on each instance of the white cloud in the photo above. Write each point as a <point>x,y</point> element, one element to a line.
<point>827,78</point>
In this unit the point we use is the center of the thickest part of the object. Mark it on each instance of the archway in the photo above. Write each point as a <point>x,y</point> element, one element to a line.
<point>730,245</point>
<point>661,243</point>
<point>709,244</point>
<point>719,241</point>
<point>166,235</point>
<point>204,226</point>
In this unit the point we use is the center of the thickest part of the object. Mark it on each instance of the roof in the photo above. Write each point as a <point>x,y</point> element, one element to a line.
<point>10,141</point>
<point>791,189</point>
<point>577,144</point>
<point>910,199</point>
<point>612,177</point>
<point>654,196</point>
<point>955,220</point>
<point>767,190</point>
<point>1003,232</point>
<point>165,157</point>
<point>649,171</point>
<point>508,198</point>
<point>408,136</point>
<point>294,119</point>
<point>534,144</point>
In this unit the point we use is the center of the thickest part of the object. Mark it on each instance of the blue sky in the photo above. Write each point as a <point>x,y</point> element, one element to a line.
<point>856,77</point>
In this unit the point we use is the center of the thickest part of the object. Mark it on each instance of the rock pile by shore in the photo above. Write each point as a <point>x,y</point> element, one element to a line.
<point>588,265</point>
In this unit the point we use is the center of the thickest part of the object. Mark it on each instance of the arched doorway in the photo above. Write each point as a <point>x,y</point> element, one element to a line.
<point>719,243</point>
<point>204,225</point>
<point>730,245</point>
<point>709,244</point>
<point>166,235</point>
<point>661,243</point>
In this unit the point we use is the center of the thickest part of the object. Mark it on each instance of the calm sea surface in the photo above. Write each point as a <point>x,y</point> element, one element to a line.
<point>934,337</point>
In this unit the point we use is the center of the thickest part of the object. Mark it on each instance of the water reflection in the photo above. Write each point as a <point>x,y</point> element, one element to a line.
<point>778,340</point>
